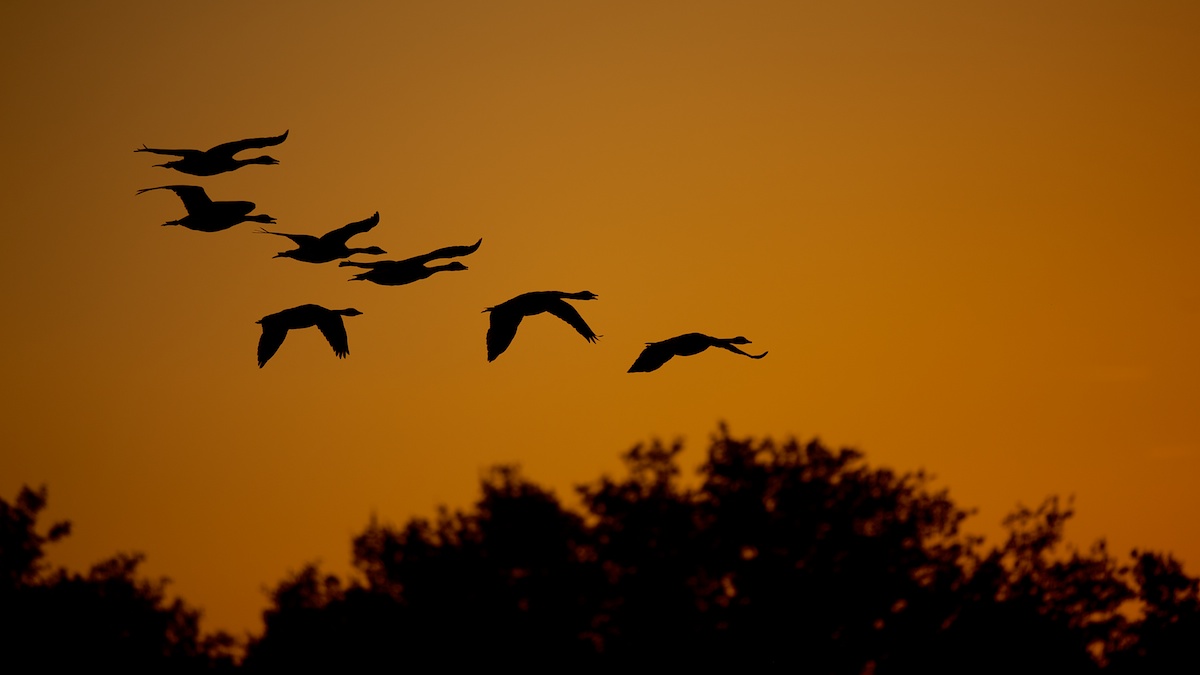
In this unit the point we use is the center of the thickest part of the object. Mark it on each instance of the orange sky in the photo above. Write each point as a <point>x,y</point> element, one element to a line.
<point>966,233</point>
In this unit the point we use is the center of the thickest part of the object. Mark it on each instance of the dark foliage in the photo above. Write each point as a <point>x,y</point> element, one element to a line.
<point>55,621</point>
<point>782,555</point>
<point>779,556</point>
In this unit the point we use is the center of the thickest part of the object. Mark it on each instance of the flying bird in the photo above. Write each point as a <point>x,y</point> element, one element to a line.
<point>506,316</point>
<point>657,353</point>
<point>205,215</point>
<point>401,272</point>
<point>329,246</point>
<point>217,159</point>
<point>275,328</point>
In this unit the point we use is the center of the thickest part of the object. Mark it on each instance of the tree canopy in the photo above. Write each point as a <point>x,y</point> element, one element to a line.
<point>781,554</point>
<point>58,621</point>
<point>777,555</point>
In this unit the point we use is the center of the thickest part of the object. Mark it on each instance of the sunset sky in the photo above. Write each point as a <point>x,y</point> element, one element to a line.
<point>968,234</point>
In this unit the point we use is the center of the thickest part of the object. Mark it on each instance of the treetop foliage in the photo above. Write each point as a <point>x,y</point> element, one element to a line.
<point>779,555</point>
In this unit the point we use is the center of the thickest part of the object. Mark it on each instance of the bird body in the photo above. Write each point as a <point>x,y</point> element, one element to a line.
<point>506,317</point>
<point>329,246</point>
<point>217,159</point>
<point>205,215</point>
<point>329,321</point>
<point>401,272</point>
<point>657,353</point>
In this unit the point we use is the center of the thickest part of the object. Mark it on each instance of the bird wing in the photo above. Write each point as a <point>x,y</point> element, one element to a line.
<point>567,313</point>
<point>652,358</point>
<point>735,350</point>
<point>371,265</point>
<point>193,196</point>
<point>165,151</point>
<point>233,147</point>
<point>335,333</point>
<point>341,235</point>
<point>447,252</point>
<point>298,239</point>
<point>501,331</point>
<point>272,337</point>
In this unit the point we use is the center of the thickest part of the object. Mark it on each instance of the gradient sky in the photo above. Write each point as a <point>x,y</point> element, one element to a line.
<point>966,232</point>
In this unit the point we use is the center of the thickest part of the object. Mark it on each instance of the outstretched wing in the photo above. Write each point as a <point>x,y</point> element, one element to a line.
<point>193,196</point>
<point>165,151</point>
<point>375,264</point>
<point>567,313</point>
<point>447,252</point>
<point>268,344</point>
<point>335,333</point>
<point>501,331</point>
<point>735,350</point>
<point>298,239</point>
<point>341,235</point>
<point>652,358</point>
<point>233,147</point>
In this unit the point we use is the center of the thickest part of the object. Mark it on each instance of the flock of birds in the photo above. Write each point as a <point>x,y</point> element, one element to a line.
<point>206,215</point>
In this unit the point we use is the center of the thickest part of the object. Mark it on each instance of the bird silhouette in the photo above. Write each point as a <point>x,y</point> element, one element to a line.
<point>506,316</point>
<point>400,272</point>
<point>275,328</point>
<point>329,246</point>
<point>205,215</point>
<point>217,159</point>
<point>657,353</point>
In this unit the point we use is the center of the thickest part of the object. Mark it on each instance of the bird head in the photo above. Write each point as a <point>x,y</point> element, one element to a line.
<point>584,295</point>
<point>265,159</point>
<point>739,340</point>
<point>373,250</point>
<point>454,267</point>
<point>349,312</point>
<point>261,218</point>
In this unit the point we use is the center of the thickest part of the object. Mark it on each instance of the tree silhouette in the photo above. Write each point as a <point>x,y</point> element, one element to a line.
<point>500,583</point>
<point>1165,637</point>
<point>53,620</point>
<point>776,556</point>
<point>780,555</point>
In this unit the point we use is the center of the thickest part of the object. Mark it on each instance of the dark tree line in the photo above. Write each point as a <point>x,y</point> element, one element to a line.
<point>781,555</point>
<point>52,620</point>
